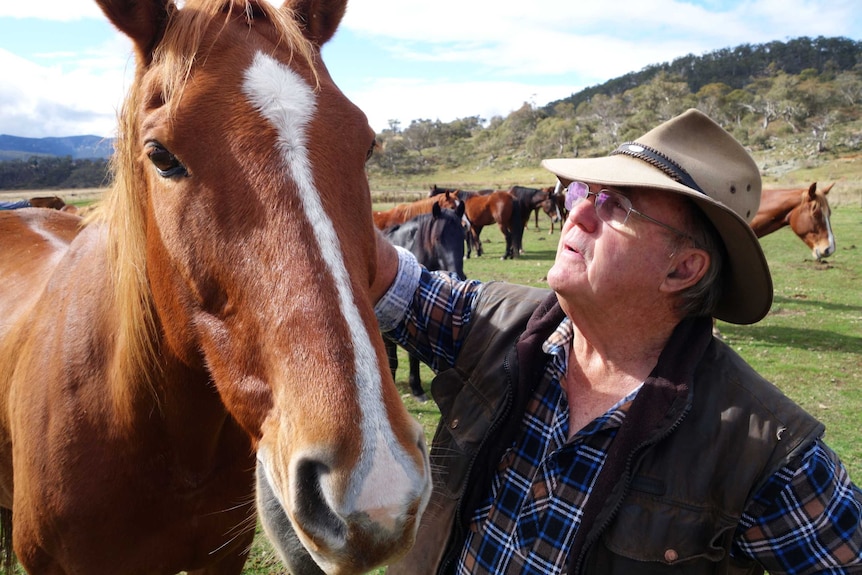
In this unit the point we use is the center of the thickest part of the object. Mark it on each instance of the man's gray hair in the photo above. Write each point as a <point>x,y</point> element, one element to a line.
<point>702,298</point>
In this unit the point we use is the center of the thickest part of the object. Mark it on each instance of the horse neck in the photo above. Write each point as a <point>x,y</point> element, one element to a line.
<point>144,387</point>
<point>775,211</point>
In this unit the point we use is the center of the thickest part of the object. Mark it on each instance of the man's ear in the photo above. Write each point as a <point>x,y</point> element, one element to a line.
<point>686,269</point>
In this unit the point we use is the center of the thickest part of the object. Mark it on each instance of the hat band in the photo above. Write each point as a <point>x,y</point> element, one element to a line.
<point>655,158</point>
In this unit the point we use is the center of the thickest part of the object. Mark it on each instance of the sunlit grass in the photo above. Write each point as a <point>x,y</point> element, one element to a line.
<point>810,344</point>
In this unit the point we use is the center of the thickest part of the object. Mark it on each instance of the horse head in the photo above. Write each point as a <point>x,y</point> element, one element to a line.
<point>446,239</point>
<point>246,230</point>
<point>811,221</point>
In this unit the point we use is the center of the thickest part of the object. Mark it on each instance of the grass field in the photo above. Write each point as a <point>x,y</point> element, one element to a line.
<point>810,344</point>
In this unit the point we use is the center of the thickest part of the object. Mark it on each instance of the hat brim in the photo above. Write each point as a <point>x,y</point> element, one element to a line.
<point>747,295</point>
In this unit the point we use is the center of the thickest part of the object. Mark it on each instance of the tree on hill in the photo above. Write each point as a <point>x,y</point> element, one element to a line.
<point>799,98</point>
<point>802,96</point>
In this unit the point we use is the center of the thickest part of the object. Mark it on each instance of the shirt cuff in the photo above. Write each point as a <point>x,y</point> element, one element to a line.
<point>392,307</point>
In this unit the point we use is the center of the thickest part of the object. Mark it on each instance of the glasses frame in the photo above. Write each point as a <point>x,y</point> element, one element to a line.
<point>573,198</point>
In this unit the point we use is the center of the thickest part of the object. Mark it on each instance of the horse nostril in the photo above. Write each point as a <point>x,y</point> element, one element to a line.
<point>312,510</point>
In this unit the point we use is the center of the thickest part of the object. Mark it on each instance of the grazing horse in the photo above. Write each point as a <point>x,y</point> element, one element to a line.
<point>807,213</point>
<point>437,241</point>
<point>50,202</point>
<point>501,207</point>
<point>208,339</point>
<point>402,212</point>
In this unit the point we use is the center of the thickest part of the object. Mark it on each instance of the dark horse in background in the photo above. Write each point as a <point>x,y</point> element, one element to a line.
<point>437,241</point>
<point>485,207</point>
<point>805,210</point>
<point>530,201</point>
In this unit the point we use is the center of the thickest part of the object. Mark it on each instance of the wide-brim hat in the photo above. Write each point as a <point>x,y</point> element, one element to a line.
<point>693,156</point>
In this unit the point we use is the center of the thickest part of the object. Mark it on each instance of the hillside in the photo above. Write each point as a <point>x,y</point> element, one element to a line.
<point>795,105</point>
<point>735,67</point>
<point>797,126</point>
<point>75,147</point>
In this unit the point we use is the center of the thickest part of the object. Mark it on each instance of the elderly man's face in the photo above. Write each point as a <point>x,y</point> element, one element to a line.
<point>606,269</point>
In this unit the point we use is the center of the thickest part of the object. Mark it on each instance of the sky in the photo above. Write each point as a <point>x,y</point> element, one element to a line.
<point>64,69</point>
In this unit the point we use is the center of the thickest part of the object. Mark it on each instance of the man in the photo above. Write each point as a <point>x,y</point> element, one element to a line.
<point>600,428</point>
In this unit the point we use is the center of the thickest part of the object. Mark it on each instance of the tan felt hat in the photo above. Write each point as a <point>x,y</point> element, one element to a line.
<point>692,155</point>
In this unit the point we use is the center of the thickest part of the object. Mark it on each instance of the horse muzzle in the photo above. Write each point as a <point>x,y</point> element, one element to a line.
<point>314,534</point>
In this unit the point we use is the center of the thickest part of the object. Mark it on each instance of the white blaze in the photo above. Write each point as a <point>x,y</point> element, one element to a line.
<point>385,470</point>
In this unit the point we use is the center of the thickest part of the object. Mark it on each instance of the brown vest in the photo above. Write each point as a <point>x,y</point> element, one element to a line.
<point>704,432</point>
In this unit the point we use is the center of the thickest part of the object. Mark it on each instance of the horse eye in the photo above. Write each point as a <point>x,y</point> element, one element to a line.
<point>370,151</point>
<point>165,162</point>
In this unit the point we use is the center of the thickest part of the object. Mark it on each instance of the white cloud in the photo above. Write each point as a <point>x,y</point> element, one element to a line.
<point>62,10</point>
<point>447,101</point>
<point>514,52</point>
<point>597,39</point>
<point>77,94</point>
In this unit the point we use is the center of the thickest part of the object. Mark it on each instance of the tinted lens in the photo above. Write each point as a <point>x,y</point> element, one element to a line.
<point>575,192</point>
<point>613,208</point>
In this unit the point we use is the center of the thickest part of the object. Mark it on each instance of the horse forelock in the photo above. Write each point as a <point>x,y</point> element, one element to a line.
<point>182,46</point>
<point>124,210</point>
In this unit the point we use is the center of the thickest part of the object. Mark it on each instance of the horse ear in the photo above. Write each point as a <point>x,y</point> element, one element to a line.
<point>318,18</point>
<point>812,191</point>
<point>143,22</point>
<point>436,210</point>
<point>459,209</point>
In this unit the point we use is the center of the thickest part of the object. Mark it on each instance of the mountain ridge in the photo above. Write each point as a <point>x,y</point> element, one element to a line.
<point>77,147</point>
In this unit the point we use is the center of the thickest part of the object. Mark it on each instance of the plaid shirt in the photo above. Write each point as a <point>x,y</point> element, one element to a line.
<point>811,514</point>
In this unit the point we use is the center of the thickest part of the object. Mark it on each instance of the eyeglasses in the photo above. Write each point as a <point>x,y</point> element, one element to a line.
<point>612,208</point>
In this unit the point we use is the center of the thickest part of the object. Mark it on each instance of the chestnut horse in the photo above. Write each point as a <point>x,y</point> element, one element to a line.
<point>208,339</point>
<point>805,210</point>
<point>499,206</point>
<point>555,208</point>
<point>403,212</point>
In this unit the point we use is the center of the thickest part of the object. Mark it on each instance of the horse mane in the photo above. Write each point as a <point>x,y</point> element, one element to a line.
<point>124,206</point>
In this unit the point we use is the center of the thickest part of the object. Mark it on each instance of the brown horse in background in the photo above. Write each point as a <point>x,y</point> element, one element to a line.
<point>207,340</point>
<point>555,208</point>
<point>805,210</point>
<point>500,207</point>
<point>403,212</point>
<point>50,202</point>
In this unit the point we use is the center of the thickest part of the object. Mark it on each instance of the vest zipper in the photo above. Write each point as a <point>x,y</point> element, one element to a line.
<point>590,541</point>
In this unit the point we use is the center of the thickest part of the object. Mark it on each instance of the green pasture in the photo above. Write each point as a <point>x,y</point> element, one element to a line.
<point>810,344</point>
